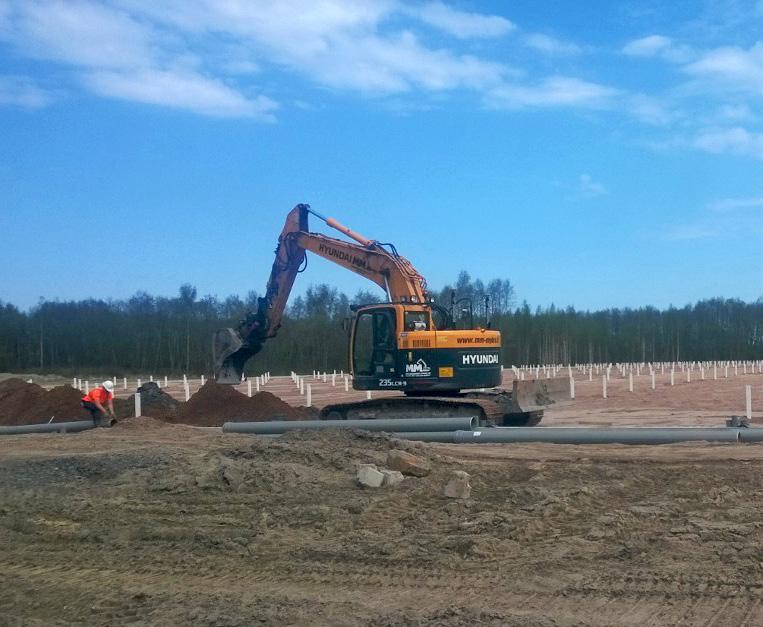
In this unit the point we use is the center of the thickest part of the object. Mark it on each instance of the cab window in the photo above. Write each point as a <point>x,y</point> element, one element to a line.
<point>416,321</point>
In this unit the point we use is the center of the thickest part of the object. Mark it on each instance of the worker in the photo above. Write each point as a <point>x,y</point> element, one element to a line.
<point>100,402</point>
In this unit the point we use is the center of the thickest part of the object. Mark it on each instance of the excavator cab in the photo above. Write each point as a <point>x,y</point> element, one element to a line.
<point>374,344</point>
<point>397,346</point>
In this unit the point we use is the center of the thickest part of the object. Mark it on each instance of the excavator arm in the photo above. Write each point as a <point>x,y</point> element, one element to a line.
<point>379,263</point>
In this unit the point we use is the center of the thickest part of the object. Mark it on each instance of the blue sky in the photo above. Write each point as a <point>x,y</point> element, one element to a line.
<point>597,154</point>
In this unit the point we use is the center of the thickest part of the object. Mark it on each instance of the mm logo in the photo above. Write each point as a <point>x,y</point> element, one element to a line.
<point>418,369</point>
<point>479,359</point>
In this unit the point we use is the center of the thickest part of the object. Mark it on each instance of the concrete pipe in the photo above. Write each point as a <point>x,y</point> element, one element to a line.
<point>52,427</point>
<point>382,424</point>
<point>572,435</point>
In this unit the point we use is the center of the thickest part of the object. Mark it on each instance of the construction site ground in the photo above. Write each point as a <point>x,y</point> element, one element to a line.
<point>157,523</point>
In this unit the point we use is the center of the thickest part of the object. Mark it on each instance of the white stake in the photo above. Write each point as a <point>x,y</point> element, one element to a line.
<point>257,384</point>
<point>653,381</point>
<point>309,399</point>
<point>630,381</point>
<point>604,387</point>
<point>346,384</point>
<point>572,388</point>
<point>368,394</point>
<point>87,387</point>
<point>249,388</point>
<point>74,382</point>
<point>124,383</point>
<point>138,382</point>
<point>302,386</point>
<point>203,380</point>
<point>137,404</point>
<point>333,379</point>
<point>748,400</point>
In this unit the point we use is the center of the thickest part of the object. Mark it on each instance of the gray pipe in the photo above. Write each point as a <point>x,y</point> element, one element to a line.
<point>753,434</point>
<point>52,427</point>
<point>573,435</point>
<point>381,424</point>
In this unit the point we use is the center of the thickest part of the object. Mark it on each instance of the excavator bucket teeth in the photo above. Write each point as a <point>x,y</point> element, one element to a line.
<point>536,394</point>
<point>230,356</point>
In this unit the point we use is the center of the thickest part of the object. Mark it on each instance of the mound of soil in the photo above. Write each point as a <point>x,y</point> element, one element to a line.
<point>154,402</point>
<point>23,403</point>
<point>215,404</point>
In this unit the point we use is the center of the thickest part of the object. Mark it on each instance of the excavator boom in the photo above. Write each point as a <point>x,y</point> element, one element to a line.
<point>232,348</point>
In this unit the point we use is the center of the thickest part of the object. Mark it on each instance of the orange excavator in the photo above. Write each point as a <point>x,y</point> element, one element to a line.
<point>409,344</point>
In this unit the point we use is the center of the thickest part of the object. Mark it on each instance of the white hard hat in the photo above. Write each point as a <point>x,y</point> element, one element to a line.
<point>108,385</point>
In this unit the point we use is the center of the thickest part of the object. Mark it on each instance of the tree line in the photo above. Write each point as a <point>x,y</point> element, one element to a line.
<point>173,335</point>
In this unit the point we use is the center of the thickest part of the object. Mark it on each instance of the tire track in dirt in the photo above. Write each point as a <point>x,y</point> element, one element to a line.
<point>616,605</point>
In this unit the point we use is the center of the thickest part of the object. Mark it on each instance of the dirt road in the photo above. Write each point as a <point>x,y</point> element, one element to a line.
<point>170,525</point>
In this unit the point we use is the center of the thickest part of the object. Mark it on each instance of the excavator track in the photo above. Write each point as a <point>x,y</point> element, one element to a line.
<point>491,407</point>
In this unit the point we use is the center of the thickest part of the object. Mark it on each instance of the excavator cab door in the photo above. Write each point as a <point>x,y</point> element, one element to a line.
<point>374,343</point>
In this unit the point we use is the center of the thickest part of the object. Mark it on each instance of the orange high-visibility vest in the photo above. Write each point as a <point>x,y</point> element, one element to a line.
<point>98,394</point>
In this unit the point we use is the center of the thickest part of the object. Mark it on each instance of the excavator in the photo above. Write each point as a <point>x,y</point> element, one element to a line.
<point>409,344</point>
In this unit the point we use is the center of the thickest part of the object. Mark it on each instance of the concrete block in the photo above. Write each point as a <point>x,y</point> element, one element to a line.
<point>408,463</point>
<point>392,477</point>
<point>458,486</point>
<point>369,476</point>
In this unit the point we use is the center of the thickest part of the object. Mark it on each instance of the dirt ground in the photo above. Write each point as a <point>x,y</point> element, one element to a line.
<point>152,523</point>
<point>167,524</point>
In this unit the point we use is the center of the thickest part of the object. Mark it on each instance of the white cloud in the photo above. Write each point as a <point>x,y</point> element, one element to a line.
<point>589,188</point>
<point>685,232</point>
<point>738,112</point>
<point>80,33</point>
<point>21,91</point>
<point>208,56</point>
<point>647,46</point>
<point>185,90</point>
<point>660,47</point>
<point>735,141</point>
<point>648,110</point>
<point>550,45</point>
<point>733,204</point>
<point>462,24</point>
<point>553,92</point>
<point>726,217</point>
<point>732,67</point>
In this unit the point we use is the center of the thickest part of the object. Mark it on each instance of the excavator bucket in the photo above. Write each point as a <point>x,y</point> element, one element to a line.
<point>536,394</point>
<point>230,354</point>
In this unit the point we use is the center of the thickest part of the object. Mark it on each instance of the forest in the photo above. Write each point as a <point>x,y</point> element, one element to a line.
<point>172,335</point>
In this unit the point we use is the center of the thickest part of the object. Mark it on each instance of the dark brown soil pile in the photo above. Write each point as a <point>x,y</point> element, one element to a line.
<point>215,404</point>
<point>153,402</point>
<point>23,403</point>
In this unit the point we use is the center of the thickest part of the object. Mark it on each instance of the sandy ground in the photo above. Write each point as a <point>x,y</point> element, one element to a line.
<point>158,524</point>
<point>698,403</point>
<point>169,525</point>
